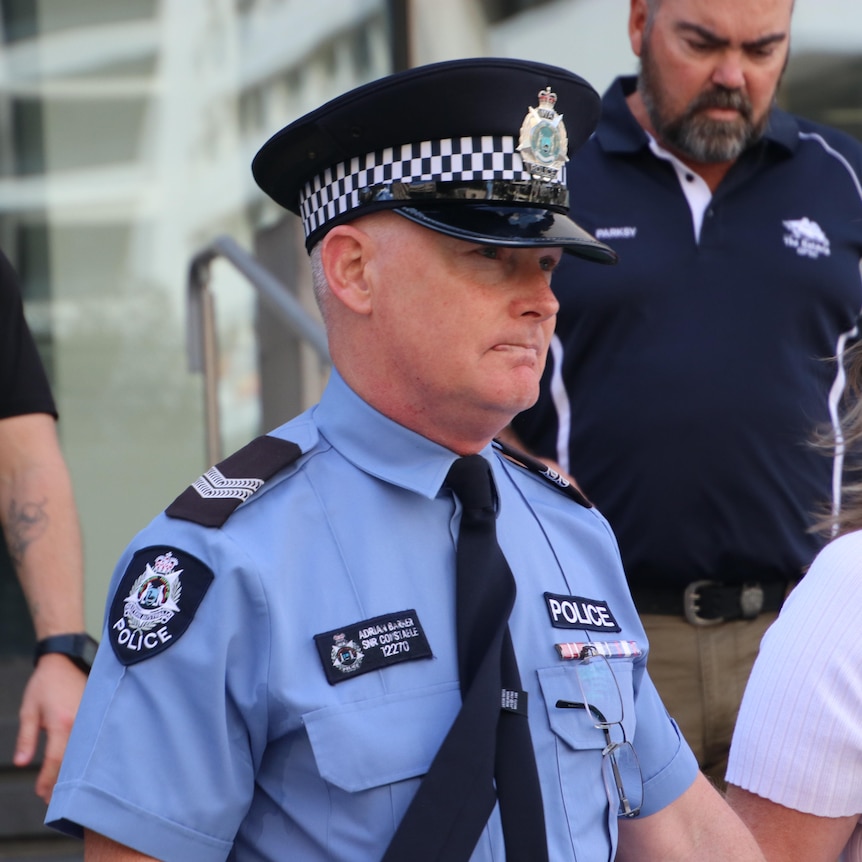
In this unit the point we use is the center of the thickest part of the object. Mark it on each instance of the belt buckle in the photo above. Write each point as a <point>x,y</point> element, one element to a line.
<point>691,604</point>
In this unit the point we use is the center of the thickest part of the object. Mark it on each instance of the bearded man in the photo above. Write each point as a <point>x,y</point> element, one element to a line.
<point>695,371</point>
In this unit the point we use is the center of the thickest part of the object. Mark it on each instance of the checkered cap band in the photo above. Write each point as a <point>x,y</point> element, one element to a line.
<point>337,190</point>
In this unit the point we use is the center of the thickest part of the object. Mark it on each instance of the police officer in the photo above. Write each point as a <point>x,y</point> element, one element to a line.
<point>285,633</point>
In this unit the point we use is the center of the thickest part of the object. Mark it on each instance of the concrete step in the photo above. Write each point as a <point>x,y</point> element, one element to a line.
<point>49,850</point>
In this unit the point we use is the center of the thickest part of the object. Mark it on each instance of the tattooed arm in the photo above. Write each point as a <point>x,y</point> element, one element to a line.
<point>39,519</point>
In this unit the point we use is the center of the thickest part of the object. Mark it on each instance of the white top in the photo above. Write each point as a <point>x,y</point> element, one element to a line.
<point>693,185</point>
<point>798,738</point>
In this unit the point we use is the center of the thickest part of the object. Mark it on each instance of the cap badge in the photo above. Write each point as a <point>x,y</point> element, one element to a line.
<point>543,143</point>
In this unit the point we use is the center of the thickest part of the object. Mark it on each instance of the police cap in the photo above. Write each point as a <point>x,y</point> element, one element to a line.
<point>475,149</point>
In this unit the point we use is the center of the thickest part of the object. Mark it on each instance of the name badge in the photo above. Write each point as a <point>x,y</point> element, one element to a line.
<point>371,644</point>
<point>577,612</point>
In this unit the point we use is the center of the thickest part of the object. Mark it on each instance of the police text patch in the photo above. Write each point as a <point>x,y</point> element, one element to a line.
<point>360,647</point>
<point>576,612</point>
<point>156,600</point>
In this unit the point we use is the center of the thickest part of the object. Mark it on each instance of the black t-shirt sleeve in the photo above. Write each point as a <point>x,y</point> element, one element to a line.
<point>23,384</point>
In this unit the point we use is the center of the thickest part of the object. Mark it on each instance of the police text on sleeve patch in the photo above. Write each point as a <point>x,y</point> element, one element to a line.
<point>576,612</point>
<point>371,644</point>
<point>156,600</point>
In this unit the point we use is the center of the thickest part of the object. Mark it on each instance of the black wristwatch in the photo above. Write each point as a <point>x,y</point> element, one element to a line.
<point>80,649</point>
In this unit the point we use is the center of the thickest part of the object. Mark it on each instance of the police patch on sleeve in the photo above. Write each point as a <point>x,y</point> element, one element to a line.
<point>155,602</point>
<point>369,645</point>
<point>576,612</point>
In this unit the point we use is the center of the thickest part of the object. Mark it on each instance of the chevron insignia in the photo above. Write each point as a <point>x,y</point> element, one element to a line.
<point>214,484</point>
<point>211,499</point>
<point>534,465</point>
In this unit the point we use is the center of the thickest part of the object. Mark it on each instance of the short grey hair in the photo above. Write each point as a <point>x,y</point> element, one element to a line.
<point>319,282</point>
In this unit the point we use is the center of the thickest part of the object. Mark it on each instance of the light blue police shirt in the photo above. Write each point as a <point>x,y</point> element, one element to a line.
<point>246,738</point>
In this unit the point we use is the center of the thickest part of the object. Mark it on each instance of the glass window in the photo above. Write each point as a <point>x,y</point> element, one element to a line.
<point>24,19</point>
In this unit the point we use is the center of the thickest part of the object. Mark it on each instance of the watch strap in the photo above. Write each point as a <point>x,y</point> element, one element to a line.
<point>79,648</point>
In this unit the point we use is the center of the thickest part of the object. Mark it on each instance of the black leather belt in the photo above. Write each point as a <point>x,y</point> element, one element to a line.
<point>706,603</point>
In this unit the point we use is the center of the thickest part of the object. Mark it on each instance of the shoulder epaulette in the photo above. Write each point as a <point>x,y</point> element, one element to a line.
<point>211,499</point>
<point>534,465</point>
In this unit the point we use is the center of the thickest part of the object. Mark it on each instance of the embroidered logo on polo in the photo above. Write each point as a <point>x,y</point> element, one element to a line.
<point>806,237</point>
<point>577,612</point>
<point>355,649</point>
<point>156,600</point>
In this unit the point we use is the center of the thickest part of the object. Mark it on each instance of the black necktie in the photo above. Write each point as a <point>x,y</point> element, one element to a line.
<point>485,745</point>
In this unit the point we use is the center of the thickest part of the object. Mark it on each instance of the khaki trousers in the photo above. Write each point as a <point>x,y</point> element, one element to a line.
<point>700,673</point>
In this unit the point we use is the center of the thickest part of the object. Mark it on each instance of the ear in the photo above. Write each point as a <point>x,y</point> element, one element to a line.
<point>638,15</point>
<point>345,253</point>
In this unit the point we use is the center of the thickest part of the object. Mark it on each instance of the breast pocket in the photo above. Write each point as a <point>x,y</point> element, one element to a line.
<point>584,729</point>
<point>583,794</point>
<point>376,742</point>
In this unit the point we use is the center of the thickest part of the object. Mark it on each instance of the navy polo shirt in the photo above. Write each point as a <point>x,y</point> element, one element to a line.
<point>685,383</point>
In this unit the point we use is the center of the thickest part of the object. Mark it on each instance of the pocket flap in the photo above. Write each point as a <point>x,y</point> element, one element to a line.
<point>575,726</point>
<point>374,742</point>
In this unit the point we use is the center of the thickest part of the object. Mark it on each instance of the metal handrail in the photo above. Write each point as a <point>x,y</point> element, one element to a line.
<point>201,332</point>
